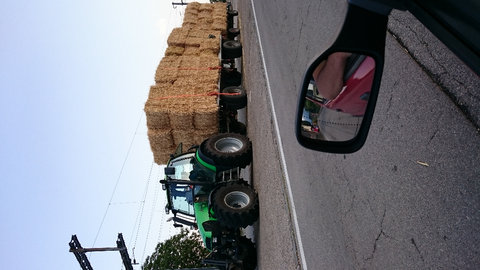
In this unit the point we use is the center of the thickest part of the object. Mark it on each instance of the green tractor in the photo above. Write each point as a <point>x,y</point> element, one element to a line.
<point>205,192</point>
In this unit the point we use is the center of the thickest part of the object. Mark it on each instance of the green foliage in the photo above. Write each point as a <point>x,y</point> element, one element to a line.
<point>311,107</point>
<point>183,250</point>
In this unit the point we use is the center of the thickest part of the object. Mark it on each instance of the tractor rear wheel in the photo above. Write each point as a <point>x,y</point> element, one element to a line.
<point>228,150</point>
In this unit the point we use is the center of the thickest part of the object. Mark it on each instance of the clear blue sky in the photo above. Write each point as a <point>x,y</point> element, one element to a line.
<point>74,77</point>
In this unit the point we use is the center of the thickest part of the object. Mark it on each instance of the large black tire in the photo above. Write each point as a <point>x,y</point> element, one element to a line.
<point>238,127</point>
<point>246,255</point>
<point>232,13</point>
<point>228,150</point>
<point>234,102</point>
<point>231,49</point>
<point>233,32</point>
<point>235,205</point>
<point>230,78</point>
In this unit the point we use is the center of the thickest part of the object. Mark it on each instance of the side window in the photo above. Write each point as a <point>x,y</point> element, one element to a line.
<point>182,198</point>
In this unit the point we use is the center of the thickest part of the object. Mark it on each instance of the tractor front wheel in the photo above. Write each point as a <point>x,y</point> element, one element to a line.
<point>235,205</point>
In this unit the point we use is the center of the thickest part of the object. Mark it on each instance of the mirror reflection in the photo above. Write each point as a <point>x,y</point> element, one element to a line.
<point>337,96</point>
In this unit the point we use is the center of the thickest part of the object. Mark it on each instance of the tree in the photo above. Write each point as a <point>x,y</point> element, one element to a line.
<point>183,250</point>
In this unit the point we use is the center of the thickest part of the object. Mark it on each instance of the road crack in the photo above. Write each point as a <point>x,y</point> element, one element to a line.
<point>417,249</point>
<point>379,236</point>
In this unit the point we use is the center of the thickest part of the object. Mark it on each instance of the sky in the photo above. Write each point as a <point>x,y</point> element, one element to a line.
<point>74,152</point>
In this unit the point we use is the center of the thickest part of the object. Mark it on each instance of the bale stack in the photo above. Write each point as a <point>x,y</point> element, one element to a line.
<point>179,109</point>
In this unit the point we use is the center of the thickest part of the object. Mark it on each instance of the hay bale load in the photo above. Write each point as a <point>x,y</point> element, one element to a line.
<point>178,108</point>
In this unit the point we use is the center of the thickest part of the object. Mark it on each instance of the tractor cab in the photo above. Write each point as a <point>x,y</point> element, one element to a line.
<point>188,184</point>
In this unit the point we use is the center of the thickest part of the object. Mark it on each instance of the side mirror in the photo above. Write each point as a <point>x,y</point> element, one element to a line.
<point>340,87</point>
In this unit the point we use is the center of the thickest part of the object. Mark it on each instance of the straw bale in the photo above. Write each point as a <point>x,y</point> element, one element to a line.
<point>219,25</point>
<point>185,136</point>
<point>189,65</point>
<point>174,51</point>
<point>188,61</point>
<point>209,61</point>
<point>169,61</point>
<point>174,111</point>
<point>205,7</point>
<point>209,52</point>
<point>185,87</point>
<point>177,37</point>
<point>210,44</point>
<point>160,138</point>
<point>191,51</point>
<point>206,117</point>
<point>200,135</point>
<point>193,41</point>
<point>219,6</point>
<point>204,33</point>
<point>167,70</point>
<point>157,90</point>
<point>157,118</point>
<point>189,25</point>
<point>193,6</point>
<point>208,76</point>
<point>205,21</point>
<point>162,156</point>
<point>217,18</point>
<point>181,116</point>
<point>205,14</point>
<point>190,18</point>
<point>166,75</point>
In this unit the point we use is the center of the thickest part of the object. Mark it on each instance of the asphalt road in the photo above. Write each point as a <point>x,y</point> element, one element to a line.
<point>378,208</point>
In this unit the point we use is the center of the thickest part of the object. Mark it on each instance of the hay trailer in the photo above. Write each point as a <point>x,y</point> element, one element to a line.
<point>194,105</point>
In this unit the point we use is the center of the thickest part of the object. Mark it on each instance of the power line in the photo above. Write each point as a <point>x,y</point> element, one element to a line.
<point>118,180</point>
<point>154,204</point>
<point>141,209</point>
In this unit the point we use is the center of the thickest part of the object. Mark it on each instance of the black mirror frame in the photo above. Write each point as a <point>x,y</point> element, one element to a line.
<point>363,32</point>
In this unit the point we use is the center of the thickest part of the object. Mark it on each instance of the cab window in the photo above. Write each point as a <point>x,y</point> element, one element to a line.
<point>182,198</point>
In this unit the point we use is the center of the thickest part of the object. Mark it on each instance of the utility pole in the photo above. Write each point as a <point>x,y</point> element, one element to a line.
<point>179,4</point>
<point>79,252</point>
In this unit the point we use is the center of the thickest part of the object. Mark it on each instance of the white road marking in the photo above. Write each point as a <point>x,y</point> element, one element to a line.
<point>282,155</point>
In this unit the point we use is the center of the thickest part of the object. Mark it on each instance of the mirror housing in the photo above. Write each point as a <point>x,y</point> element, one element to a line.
<point>363,33</point>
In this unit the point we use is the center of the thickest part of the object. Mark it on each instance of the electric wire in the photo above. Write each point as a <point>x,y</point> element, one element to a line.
<point>141,209</point>
<point>118,180</point>
<point>154,203</point>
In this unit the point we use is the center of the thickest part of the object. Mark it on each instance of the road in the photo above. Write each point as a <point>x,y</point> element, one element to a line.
<point>378,208</point>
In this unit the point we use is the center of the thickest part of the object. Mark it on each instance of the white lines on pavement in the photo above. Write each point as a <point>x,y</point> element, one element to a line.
<point>282,155</point>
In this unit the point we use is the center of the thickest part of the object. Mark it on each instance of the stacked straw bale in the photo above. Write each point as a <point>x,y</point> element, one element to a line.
<point>178,108</point>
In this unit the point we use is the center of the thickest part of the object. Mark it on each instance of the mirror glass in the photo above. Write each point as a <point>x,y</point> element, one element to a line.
<point>336,96</point>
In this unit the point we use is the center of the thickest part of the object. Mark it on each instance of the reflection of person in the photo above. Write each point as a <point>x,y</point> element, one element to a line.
<point>328,75</point>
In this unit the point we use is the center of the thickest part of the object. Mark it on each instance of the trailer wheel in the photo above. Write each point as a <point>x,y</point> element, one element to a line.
<point>232,13</point>
<point>230,78</point>
<point>228,150</point>
<point>233,32</point>
<point>238,127</point>
<point>231,49</point>
<point>234,102</point>
<point>235,205</point>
